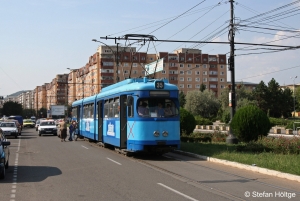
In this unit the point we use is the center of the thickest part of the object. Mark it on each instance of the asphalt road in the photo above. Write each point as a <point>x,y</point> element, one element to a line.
<point>44,168</point>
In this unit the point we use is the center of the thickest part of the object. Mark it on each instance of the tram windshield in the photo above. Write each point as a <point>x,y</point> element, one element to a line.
<point>157,107</point>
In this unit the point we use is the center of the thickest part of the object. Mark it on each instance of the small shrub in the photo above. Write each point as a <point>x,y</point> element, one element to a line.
<point>202,121</point>
<point>249,123</point>
<point>187,122</point>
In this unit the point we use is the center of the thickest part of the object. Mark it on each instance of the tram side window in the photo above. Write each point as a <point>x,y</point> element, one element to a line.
<point>91,111</point>
<point>106,108</point>
<point>74,113</point>
<point>116,107</point>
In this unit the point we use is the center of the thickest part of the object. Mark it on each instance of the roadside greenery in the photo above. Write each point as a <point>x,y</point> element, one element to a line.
<point>281,154</point>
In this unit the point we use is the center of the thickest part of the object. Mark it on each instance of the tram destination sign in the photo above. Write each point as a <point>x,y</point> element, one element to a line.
<point>155,66</point>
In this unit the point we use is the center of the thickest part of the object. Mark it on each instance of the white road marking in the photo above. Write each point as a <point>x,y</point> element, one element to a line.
<point>114,161</point>
<point>171,189</point>
<point>84,147</point>
<point>15,174</point>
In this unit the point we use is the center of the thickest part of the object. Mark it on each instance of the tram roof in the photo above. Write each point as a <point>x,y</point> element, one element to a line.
<point>128,85</point>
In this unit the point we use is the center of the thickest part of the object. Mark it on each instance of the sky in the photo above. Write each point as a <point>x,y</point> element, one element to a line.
<point>42,38</point>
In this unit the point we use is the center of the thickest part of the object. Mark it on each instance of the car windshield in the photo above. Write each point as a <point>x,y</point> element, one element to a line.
<point>7,125</point>
<point>46,123</point>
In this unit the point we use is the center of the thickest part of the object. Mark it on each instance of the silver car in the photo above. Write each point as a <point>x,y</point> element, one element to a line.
<point>9,129</point>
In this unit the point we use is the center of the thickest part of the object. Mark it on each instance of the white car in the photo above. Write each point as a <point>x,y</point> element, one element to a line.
<point>47,127</point>
<point>9,129</point>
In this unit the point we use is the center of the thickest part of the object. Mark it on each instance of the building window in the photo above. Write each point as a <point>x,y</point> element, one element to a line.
<point>125,57</point>
<point>181,65</point>
<point>204,66</point>
<point>221,66</point>
<point>197,86</point>
<point>212,59</point>
<point>212,86</point>
<point>189,65</point>
<point>181,58</point>
<point>221,80</point>
<point>204,59</point>
<point>204,72</point>
<point>222,73</point>
<point>125,64</point>
<point>189,86</point>
<point>163,72</point>
<point>213,72</point>
<point>189,72</point>
<point>134,72</point>
<point>134,65</point>
<point>189,79</point>
<point>143,58</point>
<point>181,79</point>
<point>172,64</point>
<point>197,79</point>
<point>181,86</point>
<point>222,86</point>
<point>134,57</point>
<point>204,79</point>
<point>181,72</point>
<point>197,72</point>
<point>197,65</point>
<point>213,79</point>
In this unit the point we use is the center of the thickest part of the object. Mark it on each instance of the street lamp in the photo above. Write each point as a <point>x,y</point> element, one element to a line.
<point>293,78</point>
<point>116,55</point>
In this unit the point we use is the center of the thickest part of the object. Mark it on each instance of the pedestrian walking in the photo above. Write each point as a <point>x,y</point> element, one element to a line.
<point>63,130</point>
<point>71,130</point>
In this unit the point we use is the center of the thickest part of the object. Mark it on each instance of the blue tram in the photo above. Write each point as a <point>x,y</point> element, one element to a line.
<point>133,115</point>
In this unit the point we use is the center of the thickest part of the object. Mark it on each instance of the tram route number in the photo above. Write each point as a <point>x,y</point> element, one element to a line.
<point>159,85</point>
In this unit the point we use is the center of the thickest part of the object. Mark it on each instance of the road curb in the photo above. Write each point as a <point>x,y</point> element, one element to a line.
<point>243,166</point>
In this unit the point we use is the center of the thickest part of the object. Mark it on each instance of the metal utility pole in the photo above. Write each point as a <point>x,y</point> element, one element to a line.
<point>117,58</point>
<point>293,78</point>
<point>231,139</point>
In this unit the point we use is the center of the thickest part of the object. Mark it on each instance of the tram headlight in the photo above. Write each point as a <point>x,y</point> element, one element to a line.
<point>165,133</point>
<point>156,133</point>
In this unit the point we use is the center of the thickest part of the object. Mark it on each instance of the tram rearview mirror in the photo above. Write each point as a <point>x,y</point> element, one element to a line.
<point>129,100</point>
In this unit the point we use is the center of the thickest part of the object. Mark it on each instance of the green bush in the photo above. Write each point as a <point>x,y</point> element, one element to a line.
<point>249,123</point>
<point>187,122</point>
<point>202,121</point>
<point>279,145</point>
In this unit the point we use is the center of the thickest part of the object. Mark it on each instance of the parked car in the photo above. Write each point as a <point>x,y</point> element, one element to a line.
<point>37,123</point>
<point>9,128</point>
<point>4,154</point>
<point>17,123</point>
<point>47,127</point>
<point>19,118</point>
<point>28,123</point>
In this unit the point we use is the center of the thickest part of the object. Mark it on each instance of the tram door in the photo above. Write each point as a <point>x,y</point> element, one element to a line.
<point>100,120</point>
<point>123,122</point>
<point>78,118</point>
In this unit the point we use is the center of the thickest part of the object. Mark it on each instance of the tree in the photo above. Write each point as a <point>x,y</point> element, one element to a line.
<point>27,113</point>
<point>182,99</point>
<point>297,98</point>
<point>203,103</point>
<point>286,102</point>
<point>202,87</point>
<point>249,123</point>
<point>187,122</point>
<point>12,108</point>
<point>42,113</point>
<point>260,95</point>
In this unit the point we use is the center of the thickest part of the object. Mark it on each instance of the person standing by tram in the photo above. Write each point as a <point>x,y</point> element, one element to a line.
<point>63,130</point>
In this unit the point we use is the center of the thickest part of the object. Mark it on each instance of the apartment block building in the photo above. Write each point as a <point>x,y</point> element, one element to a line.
<point>187,68</point>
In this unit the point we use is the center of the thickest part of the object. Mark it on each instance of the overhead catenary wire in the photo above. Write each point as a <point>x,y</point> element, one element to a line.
<point>177,17</point>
